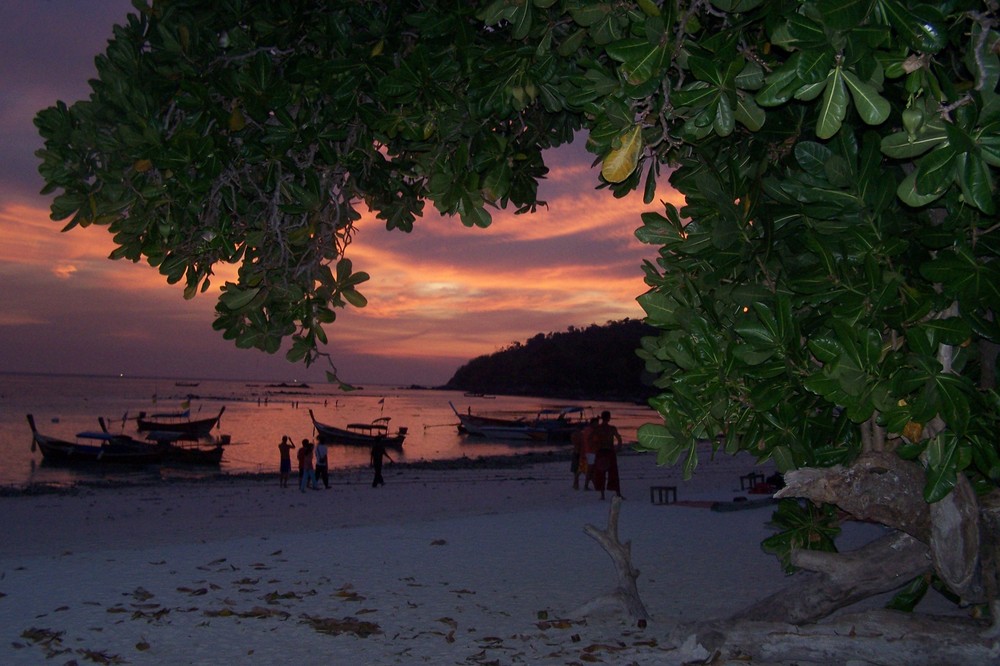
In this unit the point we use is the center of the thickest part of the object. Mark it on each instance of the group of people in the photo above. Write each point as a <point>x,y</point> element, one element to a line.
<point>314,463</point>
<point>595,456</point>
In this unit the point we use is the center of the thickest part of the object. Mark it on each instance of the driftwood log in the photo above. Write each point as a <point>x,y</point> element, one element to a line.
<point>960,531</point>
<point>957,539</point>
<point>626,595</point>
<point>887,638</point>
<point>832,581</point>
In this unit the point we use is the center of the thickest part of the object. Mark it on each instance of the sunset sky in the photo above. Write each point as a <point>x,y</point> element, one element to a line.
<point>438,296</point>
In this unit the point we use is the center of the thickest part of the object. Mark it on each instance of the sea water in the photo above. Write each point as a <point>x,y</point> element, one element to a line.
<point>257,415</point>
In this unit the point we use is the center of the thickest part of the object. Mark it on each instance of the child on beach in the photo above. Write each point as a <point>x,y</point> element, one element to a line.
<point>285,467</point>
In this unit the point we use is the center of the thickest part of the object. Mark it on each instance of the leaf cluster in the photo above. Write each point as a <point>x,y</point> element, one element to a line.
<point>253,134</point>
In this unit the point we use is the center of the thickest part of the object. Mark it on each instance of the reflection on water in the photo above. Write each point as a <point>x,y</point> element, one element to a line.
<point>257,415</point>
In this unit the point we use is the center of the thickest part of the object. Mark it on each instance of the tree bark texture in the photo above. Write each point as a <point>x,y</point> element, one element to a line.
<point>879,487</point>
<point>835,580</point>
<point>886,638</point>
<point>626,594</point>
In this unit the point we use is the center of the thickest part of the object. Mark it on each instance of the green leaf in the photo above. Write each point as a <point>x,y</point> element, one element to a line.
<point>871,106</point>
<point>942,467</point>
<point>976,182</point>
<point>749,114</point>
<point>923,31</point>
<point>907,192</point>
<point>235,298</point>
<point>724,122</point>
<point>834,106</point>
<point>354,297</point>
<point>844,14</point>
<point>640,60</point>
<point>904,146</point>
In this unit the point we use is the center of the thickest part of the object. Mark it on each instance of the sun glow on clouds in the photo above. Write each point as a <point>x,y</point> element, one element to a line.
<point>441,294</point>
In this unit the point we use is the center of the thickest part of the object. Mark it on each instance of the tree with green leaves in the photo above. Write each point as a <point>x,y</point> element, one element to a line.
<point>826,298</point>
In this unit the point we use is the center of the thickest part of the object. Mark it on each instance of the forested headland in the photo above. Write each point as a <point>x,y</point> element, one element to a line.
<point>586,363</point>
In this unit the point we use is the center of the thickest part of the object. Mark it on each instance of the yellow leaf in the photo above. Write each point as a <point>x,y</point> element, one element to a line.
<point>237,121</point>
<point>913,430</point>
<point>621,161</point>
<point>142,166</point>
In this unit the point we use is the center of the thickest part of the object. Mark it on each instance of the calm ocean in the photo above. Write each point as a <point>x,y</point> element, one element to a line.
<point>257,415</point>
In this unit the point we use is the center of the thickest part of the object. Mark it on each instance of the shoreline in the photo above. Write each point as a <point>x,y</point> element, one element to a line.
<point>196,475</point>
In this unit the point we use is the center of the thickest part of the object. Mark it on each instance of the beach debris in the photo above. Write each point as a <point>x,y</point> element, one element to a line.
<point>275,597</point>
<point>100,657</point>
<point>347,625</point>
<point>626,594</point>
<point>347,593</point>
<point>438,542</point>
<point>152,616</point>
<point>451,622</point>
<point>142,645</point>
<point>140,594</point>
<point>44,637</point>
<point>257,612</point>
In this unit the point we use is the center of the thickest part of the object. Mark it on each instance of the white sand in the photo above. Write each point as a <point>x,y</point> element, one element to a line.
<point>446,567</point>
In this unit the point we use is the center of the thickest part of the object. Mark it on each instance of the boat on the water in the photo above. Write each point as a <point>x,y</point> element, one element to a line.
<point>492,426</point>
<point>548,425</point>
<point>179,449</point>
<point>94,447</point>
<point>178,422</point>
<point>364,434</point>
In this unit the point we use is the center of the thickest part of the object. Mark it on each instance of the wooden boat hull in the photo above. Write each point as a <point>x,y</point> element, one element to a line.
<point>181,454</point>
<point>197,428</point>
<point>104,449</point>
<point>329,434</point>
<point>543,428</point>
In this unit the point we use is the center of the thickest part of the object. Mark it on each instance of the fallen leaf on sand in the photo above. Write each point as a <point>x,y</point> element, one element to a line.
<point>101,657</point>
<point>347,625</point>
<point>141,594</point>
<point>438,542</point>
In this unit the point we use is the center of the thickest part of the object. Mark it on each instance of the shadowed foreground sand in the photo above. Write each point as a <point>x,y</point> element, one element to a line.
<point>455,566</point>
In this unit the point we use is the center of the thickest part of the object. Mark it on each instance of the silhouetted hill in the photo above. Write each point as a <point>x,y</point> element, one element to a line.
<point>586,363</point>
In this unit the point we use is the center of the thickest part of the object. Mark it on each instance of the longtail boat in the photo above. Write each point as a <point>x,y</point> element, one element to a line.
<point>178,422</point>
<point>93,447</point>
<point>364,434</point>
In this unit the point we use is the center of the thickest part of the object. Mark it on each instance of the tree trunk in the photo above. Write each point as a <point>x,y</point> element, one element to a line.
<point>886,638</point>
<point>626,594</point>
<point>878,487</point>
<point>955,541</point>
<point>837,580</point>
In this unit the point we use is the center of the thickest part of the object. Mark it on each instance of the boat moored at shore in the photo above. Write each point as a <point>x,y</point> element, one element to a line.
<point>93,447</point>
<point>364,434</point>
<point>179,422</point>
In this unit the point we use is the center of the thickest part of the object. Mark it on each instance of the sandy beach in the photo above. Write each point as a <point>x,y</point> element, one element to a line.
<point>442,566</point>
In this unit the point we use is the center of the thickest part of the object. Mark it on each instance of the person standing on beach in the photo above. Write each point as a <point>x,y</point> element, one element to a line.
<point>308,474</point>
<point>589,453</point>
<point>322,468</point>
<point>285,467</point>
<point>605,436</point>
<point>379,452</point>
<point>578,463</point>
